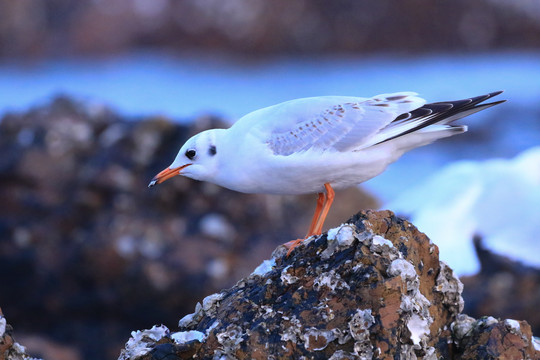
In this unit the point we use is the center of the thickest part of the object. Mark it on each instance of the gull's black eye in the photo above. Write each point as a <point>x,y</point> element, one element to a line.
<point>191,154</point>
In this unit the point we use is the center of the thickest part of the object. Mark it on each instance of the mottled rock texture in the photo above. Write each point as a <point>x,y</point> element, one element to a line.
<point>371,288</point>
<point>83,238</point>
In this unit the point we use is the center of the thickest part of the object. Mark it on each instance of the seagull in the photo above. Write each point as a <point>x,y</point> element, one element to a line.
<point>318,144</point>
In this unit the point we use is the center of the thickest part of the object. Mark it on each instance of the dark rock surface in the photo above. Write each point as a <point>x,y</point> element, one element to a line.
<point>88,252</point>
<point>503,288</point>
<point>9,348</point>
<point>371,288</point>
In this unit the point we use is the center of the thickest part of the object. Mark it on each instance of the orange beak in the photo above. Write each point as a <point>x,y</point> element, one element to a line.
<point>166,175</point>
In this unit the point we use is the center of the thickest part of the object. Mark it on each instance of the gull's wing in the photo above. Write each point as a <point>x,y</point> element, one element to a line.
<point>434,116</point>
<point>326,123</point>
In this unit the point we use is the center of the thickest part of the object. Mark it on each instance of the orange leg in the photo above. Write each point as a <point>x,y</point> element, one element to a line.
<point>294,243</point>
<point>326,208</point>
<point>324,202</point>
<point>320,202</point>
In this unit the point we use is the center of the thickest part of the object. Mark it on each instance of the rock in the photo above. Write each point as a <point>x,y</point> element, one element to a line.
<point>503,288</point>
<point>489,338</point>
<point>371,288</point>
<point>82,237</point>
<point>9,348</point>
<point>257,28</point>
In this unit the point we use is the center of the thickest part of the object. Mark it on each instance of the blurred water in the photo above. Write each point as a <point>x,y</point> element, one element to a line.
<point>184,87</point>
<point>187,86</point>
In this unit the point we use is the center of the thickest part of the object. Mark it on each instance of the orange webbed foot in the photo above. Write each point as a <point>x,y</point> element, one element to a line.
<point>292,244</point>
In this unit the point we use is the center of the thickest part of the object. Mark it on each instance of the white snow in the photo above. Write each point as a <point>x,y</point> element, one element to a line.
<point>265,267</point>
<point>498,199</point>
<point>183,337</point>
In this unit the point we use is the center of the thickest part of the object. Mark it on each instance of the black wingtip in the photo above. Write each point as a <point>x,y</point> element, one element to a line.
<point>495,93</point>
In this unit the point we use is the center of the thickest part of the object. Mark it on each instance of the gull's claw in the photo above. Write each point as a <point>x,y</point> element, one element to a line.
<point>292,244</point>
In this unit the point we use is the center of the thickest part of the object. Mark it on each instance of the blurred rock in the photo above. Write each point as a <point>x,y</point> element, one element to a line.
<point>503,288</point>
<point>92,253</point>
<point>258,27</point>
<point>9,348</point>
<point>371,288</point>
<point>489,338</point>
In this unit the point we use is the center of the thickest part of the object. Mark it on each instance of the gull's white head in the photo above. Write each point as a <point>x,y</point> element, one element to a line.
<point>197,159</point>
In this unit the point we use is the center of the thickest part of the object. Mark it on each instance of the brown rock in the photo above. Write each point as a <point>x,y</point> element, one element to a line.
<point>373,287</point>
<point>288,27</point>
<point>489,338</point>
<point>503,288</point>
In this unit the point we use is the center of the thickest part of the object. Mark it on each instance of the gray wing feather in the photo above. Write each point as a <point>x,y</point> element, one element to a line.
<point>341,127</point>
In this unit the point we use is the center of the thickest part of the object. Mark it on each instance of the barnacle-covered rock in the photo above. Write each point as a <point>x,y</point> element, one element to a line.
<point>81,235</point>
<point>371,288</point>
<point>489,338</point>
